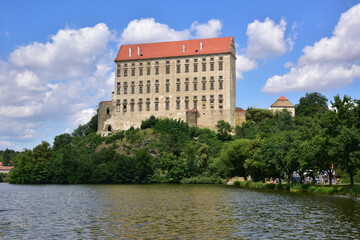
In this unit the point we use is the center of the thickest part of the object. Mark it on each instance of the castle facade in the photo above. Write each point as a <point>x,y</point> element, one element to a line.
<point>191,80</point>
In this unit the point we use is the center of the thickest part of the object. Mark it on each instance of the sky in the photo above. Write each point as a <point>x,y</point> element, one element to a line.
<point>57,57</point>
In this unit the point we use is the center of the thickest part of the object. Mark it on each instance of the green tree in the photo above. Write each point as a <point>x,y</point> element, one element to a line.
<point>312,104</point>
<point>257,115</point>
<point>223,130</point>
<point>61,141</point>
<point>148,123</point>
<point>230,162</point>
<point>144,166</point>
<point>346,150</point>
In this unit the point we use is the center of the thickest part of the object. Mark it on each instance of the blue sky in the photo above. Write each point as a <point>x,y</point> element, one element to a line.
<point>56,57</point>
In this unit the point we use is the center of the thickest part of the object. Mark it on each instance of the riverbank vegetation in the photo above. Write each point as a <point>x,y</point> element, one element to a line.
<point>267,145</point>
<point>347,190</point>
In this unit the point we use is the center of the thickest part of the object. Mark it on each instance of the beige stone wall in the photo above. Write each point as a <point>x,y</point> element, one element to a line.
<point>209,113</point>
<point>240,118</point>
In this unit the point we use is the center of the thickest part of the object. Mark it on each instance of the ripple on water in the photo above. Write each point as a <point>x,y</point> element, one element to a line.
<point>171,212</point>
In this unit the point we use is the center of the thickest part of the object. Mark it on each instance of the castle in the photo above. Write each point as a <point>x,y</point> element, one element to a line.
<point>192,80</point>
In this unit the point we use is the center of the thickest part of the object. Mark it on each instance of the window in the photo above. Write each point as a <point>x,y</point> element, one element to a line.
<point>186,68</point>
<point>186,102</point>
<point>211,83</point>
<point>178,85</point>
<point>124,105</point>
<point>148,72</point>
<point>204,67</point>
<point>140,104</point>
<point>178,103</point>
<point>148,104</point>
<point>211,66</point>
<point>167,103</point>
<point>141,87</point>
<point>203,99</point>
<point>148,86</point>
<point>125,72</point>
<point>211,101</point>
<point>167,85</point>
<point>220,66</point>
<point>132,87</point>
<point>178,68</point>
<point>156,104</point>
<point>107,110</point>
<point>220,101</point>
<point>195,86</point>
<point>132,105</point>
<point>156,86</point>
<point>186,86</point>
<point>203,83</point>
<point>118,71</point>
<point>195,102</point>
<point>157,70</point>
<point>140,71</point>
<point>220,82</point>
<point>195,67</point>
<point>118,90</point>
<point>167,69</point>
<point>133,72</point>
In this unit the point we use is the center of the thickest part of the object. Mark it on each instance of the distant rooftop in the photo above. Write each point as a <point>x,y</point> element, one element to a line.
<point>282,102</point>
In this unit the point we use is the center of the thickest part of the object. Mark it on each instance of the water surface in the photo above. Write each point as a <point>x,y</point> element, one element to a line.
<point>163,211</point>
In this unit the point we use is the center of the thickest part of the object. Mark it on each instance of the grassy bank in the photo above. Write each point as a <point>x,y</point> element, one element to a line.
<point>311,188</point>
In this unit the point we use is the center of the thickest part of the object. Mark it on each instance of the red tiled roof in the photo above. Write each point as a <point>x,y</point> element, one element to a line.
<point>105,102</point>
<point>282,98</point>
<point>176,48</point>
<point>6,167</point>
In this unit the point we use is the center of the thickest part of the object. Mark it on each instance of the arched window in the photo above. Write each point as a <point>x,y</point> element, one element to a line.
<point>109,128</point>
<point>107,110</point>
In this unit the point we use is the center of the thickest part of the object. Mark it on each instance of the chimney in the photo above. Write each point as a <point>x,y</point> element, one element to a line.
<point>201,45</point>
<point>139,50</point>
<point>184,47</point>
<point>130,51</point>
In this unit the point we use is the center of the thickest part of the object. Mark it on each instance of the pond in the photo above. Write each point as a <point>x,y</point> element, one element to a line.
<point>172,211</point>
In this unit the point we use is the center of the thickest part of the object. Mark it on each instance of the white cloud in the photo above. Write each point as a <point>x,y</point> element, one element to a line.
<point>57,80</point>
<point>207,30</point>
<point>147,30</point>
<point>329,63</point>
<point>70,53</point>
<point>266,38</point>
<point>244,64</point>
<point>81,117</point>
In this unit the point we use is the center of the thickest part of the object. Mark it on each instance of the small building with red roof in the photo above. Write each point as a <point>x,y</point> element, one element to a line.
<point>283,103</point>
<point>5,169</point>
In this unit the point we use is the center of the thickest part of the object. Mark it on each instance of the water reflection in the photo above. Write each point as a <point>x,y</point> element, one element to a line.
<point>171,212</point>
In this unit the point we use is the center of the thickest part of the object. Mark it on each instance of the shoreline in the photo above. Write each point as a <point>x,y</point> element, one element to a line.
<point>343,190</point>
